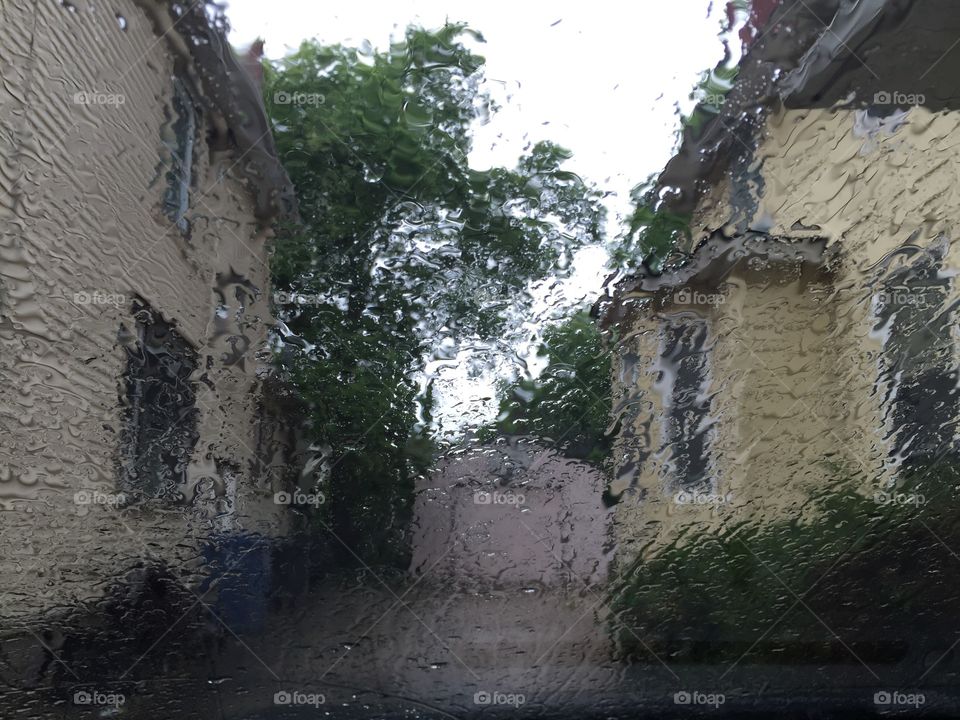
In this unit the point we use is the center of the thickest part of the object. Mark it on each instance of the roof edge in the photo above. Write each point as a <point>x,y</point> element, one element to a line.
<point>196,35</point>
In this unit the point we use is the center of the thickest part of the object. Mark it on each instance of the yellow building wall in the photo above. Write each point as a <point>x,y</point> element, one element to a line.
<point>798,402</point>
<point>81,189</point>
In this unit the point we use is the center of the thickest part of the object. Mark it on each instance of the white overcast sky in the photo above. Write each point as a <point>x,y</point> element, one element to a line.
<point>600,78</point>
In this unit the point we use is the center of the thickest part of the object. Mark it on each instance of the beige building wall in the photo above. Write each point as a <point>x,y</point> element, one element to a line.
<point>83,234</point>
<point>514,514</point>
<point>798,398</point>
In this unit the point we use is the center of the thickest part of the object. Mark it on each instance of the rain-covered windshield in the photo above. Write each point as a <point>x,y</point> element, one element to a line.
<point>465,360</point>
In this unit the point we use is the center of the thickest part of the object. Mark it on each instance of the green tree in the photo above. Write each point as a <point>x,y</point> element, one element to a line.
<point>712,596</point>
<point>399,239</point>
<point>710,93</point>
<point>569,402</point>
<point>653,231</point>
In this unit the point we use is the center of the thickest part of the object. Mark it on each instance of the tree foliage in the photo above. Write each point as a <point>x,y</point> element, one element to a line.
<point>569,402</point>
<point>653,231</point>
<point>710,93</point>
<point>709,596</point>
<point>400,237</point>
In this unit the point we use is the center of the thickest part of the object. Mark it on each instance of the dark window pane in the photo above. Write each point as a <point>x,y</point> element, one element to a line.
<point>685,358</point>
<point>176,198</point>
<point>161,415</point>
<point>918,365</point>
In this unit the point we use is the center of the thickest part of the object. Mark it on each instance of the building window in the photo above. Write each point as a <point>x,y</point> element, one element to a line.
<point>918,365</point>
<point>160,429</point>
<point>178,136</point>
<point>687,403</point>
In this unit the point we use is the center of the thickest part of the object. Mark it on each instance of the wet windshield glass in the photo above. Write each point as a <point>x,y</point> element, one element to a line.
<point>426,360</point>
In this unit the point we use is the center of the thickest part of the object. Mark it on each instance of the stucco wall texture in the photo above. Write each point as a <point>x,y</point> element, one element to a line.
<point>795,357</point>
<point>86,118</point>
